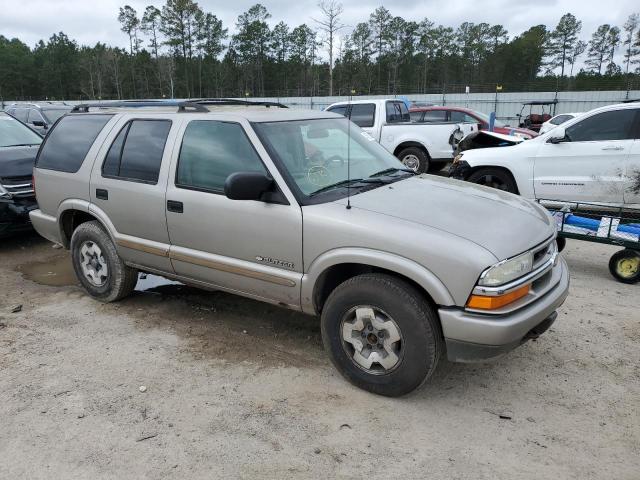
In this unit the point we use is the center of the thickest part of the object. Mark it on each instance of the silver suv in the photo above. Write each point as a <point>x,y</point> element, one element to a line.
<point>304,210</point>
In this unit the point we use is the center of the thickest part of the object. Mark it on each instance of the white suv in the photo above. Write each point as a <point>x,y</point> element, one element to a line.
<point>592,158</point>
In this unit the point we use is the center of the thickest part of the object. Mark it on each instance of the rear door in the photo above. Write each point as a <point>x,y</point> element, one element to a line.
<point>128,186</point>
<point>632,177</point>
<point>590,165</point>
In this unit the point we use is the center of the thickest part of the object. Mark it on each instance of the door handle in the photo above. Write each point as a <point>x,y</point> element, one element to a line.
<point>612,147</point>
<point>174,206</point>
<point>102,194</point>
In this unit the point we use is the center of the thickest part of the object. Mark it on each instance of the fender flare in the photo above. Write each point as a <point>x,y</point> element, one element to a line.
<point>429,282</point>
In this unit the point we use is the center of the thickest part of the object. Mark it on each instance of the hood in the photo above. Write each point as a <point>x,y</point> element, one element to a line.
<point>17,161</point>
<point>500,222</point>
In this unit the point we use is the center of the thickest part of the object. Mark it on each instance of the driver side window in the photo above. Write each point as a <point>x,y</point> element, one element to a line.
<point>211,151</point>
<point>605,126</point>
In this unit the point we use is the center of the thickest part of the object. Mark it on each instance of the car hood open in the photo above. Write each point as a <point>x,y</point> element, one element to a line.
<point>502,223</point>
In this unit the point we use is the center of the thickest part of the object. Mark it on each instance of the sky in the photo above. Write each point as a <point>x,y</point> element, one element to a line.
<point>91,21</point>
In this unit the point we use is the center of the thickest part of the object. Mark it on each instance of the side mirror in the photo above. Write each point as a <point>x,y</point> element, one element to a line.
<point>557,135</point>
<point>247,185</point>
<point>39,123</point>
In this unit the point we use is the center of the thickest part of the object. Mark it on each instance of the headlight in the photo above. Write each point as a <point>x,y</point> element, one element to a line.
<point>507,270</point>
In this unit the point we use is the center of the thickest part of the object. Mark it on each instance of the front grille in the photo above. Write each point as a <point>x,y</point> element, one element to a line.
<point>18,186</point>
<point>543,252</point>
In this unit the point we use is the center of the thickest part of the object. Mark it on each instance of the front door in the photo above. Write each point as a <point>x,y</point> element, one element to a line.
<point>589,166</point>
<point>248,247</point>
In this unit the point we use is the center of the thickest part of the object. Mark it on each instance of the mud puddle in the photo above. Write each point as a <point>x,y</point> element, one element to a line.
<point>58,272</point>
<point>54,272</point>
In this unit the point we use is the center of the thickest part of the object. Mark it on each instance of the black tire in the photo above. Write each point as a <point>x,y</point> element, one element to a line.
<point>495,178</point>
<point>120,279</point>
<point>624,265</point>
<point>562,242</point>
<point>421,345</point>
<point>410,154</point>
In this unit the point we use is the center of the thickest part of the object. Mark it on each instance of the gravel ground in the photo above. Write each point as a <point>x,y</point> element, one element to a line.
<point>239,389</point>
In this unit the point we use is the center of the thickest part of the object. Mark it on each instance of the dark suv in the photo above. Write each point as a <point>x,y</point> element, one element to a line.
<point>18,149</point>
<point>39,116</point>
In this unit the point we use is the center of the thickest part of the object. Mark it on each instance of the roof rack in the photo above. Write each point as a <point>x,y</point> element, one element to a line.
<point>183,106</point>
<point>190,105</point>
<point>234,101</point>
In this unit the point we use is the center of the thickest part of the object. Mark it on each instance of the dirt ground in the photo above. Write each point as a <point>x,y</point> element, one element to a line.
<point>239,389</point>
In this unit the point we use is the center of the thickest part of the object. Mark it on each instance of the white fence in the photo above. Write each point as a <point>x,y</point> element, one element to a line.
<point>507,105</point>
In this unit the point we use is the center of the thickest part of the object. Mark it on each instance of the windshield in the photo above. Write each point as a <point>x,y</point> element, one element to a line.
<point>14,133</point>
<point>54,114</point>
<point>315,153</point>
<point>485,118</point>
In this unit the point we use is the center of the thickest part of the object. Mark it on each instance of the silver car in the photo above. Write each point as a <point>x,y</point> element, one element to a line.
<point>304,210</point>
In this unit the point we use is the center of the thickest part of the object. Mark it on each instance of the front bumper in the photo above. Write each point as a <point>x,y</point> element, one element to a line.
<point>14,215</point>
<point>474,337</point>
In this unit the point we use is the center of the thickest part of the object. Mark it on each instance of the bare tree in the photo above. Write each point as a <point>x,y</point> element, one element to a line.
<point>330,24</point>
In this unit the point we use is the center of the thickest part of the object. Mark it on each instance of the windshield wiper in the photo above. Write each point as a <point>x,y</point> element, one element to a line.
<point>392,170</point>
<point>344,183</point>
<point>22,145</point>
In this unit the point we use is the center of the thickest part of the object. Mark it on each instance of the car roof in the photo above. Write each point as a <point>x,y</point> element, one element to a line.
<point>249,113</point>
<point>371,100</point>
<point>441,107</point>
<point>573,114</point>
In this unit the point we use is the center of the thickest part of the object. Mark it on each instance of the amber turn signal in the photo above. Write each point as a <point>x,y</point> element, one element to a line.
<point>482,302</point>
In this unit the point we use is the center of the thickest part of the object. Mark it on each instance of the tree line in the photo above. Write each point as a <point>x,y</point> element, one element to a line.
<point>180,50</point>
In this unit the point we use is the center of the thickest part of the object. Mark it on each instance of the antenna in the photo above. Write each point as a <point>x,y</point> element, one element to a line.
<point>349,155</point>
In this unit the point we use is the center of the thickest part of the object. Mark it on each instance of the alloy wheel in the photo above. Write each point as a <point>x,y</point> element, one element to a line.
<point>93,264</point>
<point>372,339</point>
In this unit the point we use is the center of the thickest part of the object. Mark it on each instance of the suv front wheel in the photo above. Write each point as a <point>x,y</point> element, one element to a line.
<point>98,266</point>
<point>381,334</point>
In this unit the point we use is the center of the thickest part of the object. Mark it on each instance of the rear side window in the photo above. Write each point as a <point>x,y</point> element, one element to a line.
<point>435,116</point>
<point>136,153</point>
<point>69,141</point>
<point>363,114</point>
<point>211,151</point>
<point>397,112</point>
<point>416,116</point>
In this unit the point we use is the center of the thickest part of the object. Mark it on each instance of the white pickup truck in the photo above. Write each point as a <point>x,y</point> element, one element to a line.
<point>420,146</point>
<point>593,158</point>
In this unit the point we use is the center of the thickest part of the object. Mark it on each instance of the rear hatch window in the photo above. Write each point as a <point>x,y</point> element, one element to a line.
<point>68,143</point>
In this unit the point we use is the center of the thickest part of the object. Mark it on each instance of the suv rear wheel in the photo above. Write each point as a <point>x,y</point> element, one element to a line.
<point>98,267</point>
<point>381,334</point>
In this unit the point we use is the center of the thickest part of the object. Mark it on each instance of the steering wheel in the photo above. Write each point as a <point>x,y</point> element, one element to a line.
<point>319,176</point>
